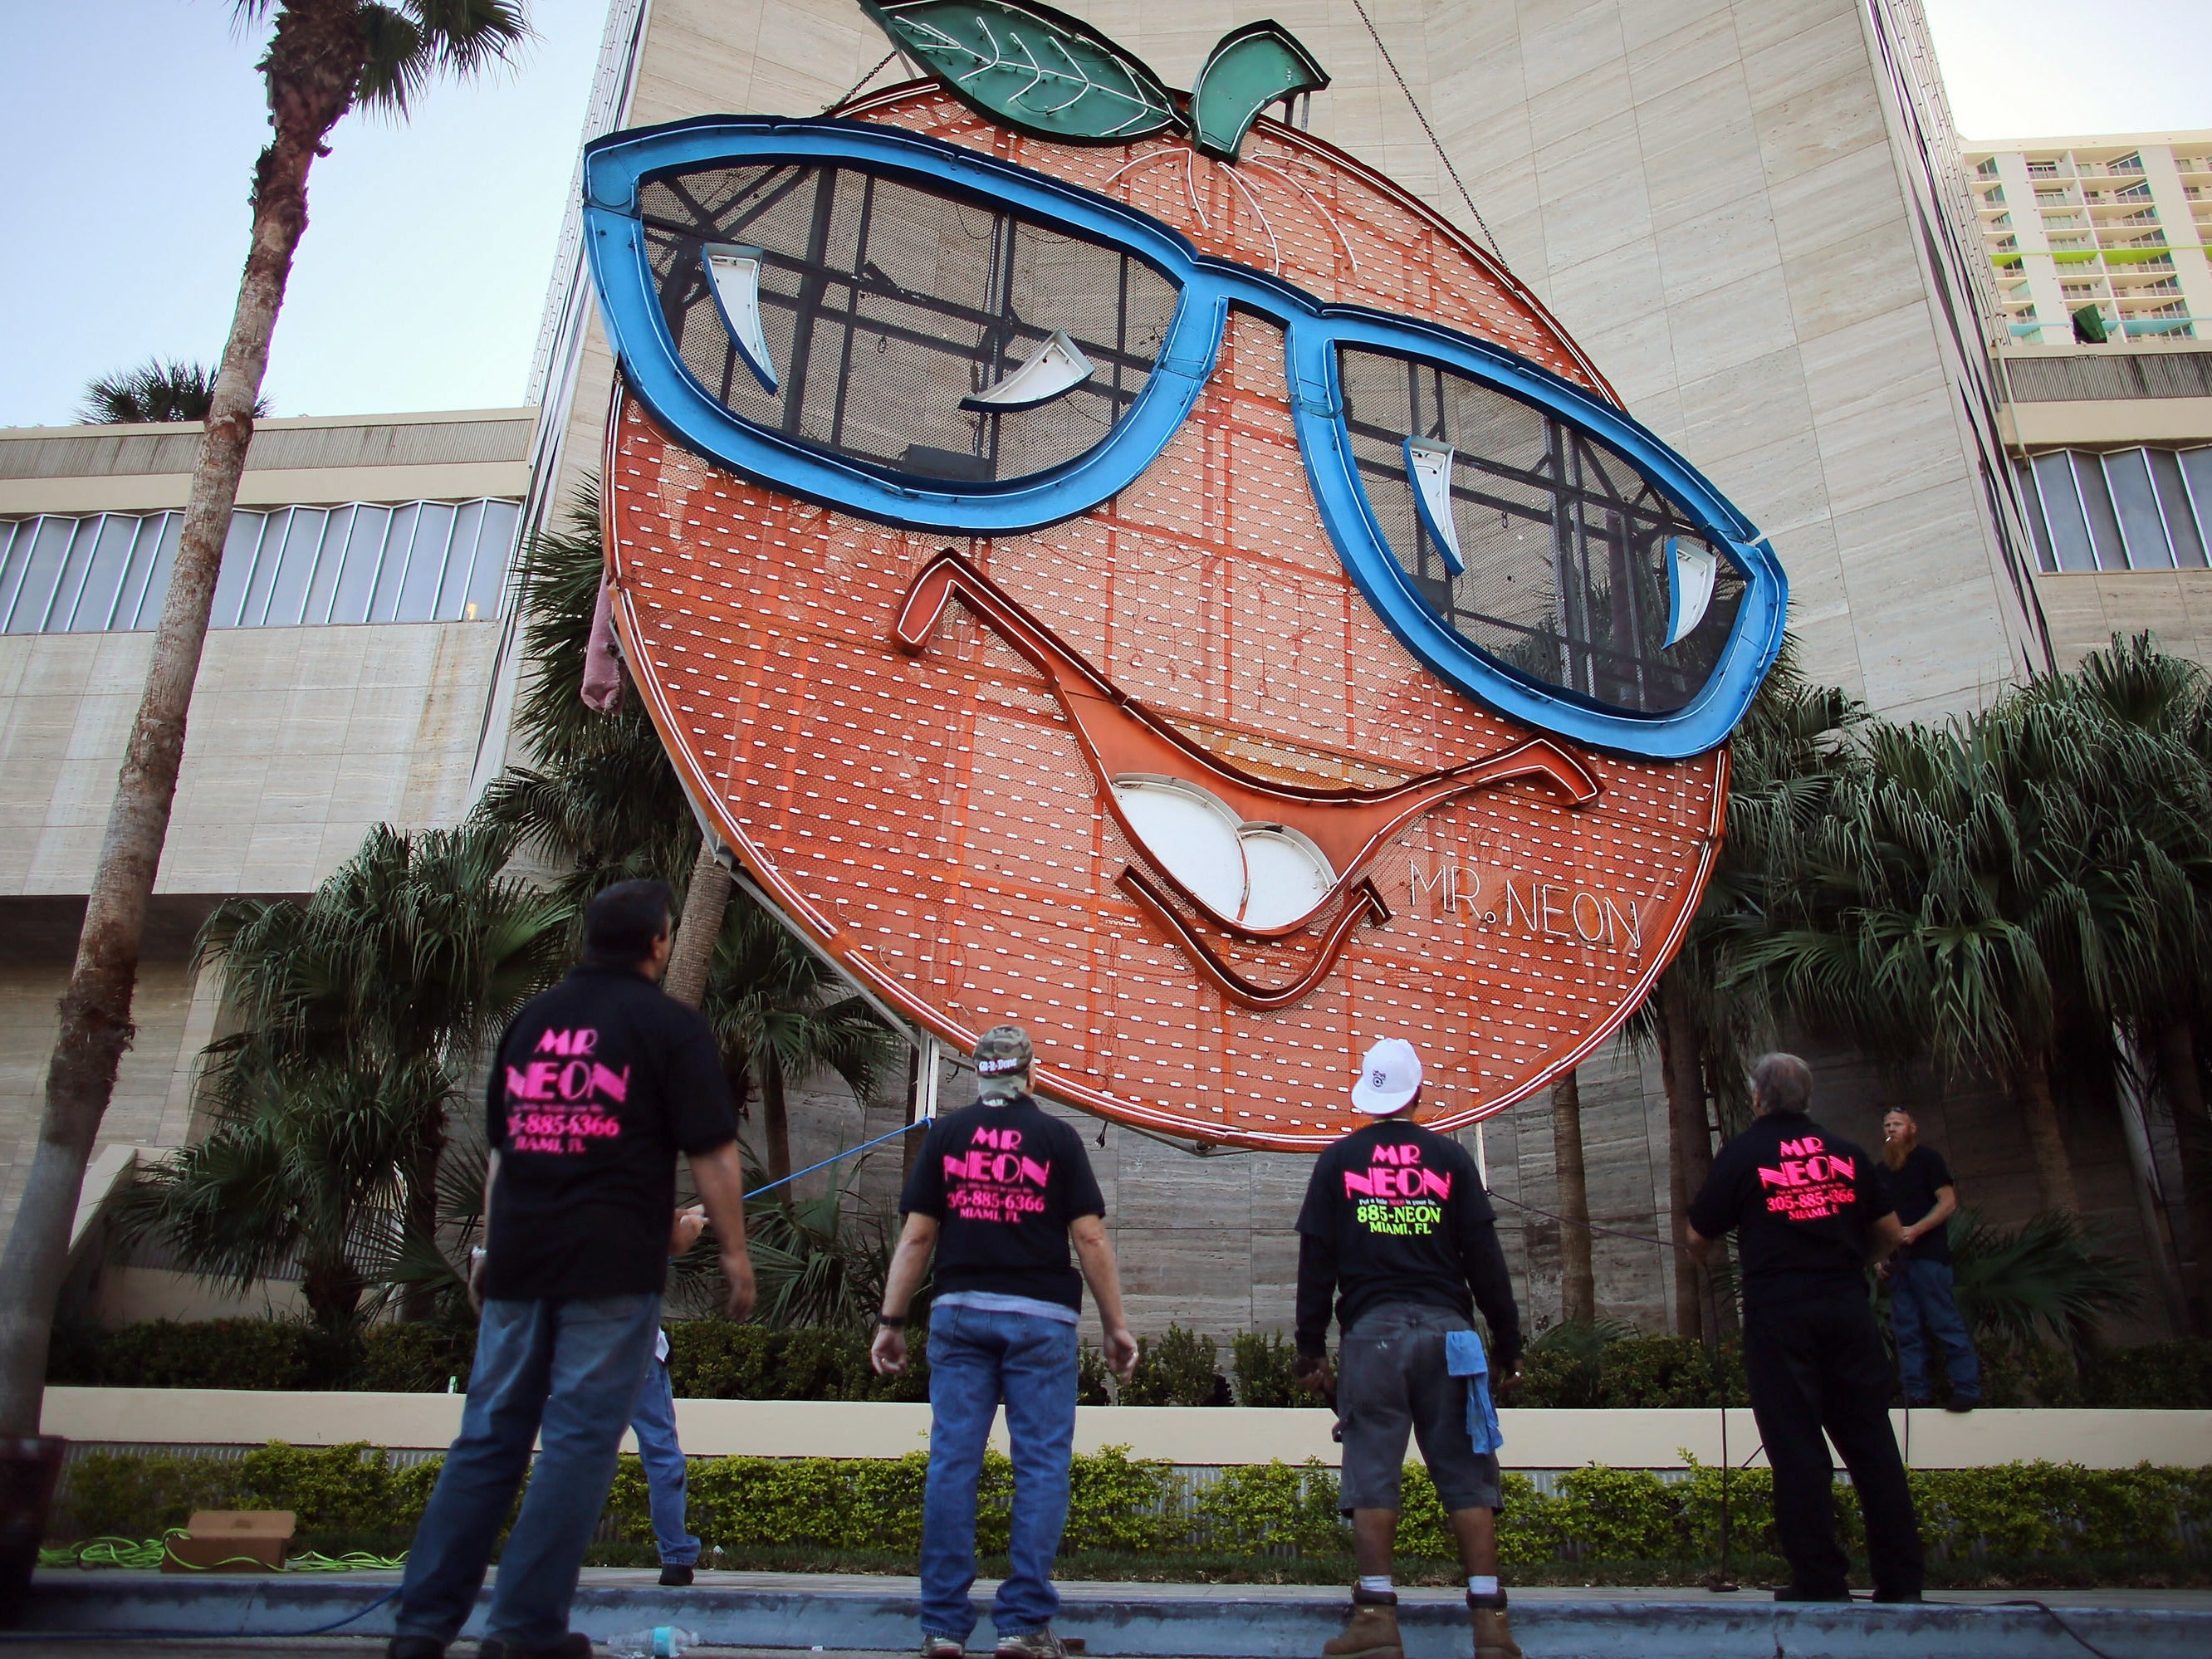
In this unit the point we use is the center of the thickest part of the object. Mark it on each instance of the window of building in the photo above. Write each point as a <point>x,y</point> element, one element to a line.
<point>2036,169</point>
<point>2130,509</point>
<point>415,562</point>
<point>1987,167</point>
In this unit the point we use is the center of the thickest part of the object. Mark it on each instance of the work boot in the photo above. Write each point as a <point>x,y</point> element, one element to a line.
<point>1371,1632</point>
<point>942,1647</point>
<point>676,1576</point>
<point>1031,1644</point>
<point>1493,1630</point>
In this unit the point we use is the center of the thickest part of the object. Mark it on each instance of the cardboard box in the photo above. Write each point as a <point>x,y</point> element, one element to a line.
<point>231,1540</point>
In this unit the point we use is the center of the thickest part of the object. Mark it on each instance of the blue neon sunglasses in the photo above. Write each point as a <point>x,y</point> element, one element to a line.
<point>899,329</point>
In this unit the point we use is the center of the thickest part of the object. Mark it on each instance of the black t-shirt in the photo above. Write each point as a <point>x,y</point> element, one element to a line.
<point>1395,1212</point>
<point>596,1087</point>
<point>1003,1183</point>
<point>1913,1188</point>
<point>1806,1201</point>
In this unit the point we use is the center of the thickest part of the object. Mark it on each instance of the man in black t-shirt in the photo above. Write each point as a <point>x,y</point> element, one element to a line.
<point>1810,1213</point>
<point>1397,1228</point>
<point>596,1087</point>
<point>1922,1302</point>
<point>998,1189</point>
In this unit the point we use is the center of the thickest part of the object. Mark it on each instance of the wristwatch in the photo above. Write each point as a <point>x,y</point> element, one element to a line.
<point>891,1321</point>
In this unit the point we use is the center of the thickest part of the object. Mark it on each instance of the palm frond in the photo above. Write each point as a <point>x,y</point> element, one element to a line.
<point>2044,1279</point>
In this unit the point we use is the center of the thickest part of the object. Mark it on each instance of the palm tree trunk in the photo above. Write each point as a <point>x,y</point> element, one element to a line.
<point>1577,1282</point>
<point>313,67</point>
<point>420,1301</point>
<point>704,902</point>
<point>2054,1171</point>
<point>1689,1146</point>
<point>2184,1086</point>
<point>775,1128</point>
<point>331,1290</point>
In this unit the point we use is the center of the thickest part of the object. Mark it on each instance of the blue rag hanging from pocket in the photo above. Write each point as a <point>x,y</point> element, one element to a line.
<point>1463,1357</point>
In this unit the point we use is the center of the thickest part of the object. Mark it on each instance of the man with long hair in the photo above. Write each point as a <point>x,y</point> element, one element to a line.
<point>1922,1299</point>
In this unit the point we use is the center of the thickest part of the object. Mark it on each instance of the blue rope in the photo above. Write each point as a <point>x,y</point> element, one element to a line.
<point>836,1157</point>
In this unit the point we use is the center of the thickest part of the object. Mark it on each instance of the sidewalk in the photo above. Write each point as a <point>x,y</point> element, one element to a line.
<point>851,1614</point>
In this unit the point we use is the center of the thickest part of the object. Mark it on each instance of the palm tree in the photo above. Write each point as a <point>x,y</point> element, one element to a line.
<point>2153,775</point>
<point>154,391</point>
<point>1577,1279</point>
<point>401,966</point>
<point>782,1015</point>
<point>308,1166</point>
<point>324,57</point>
<point>2041,1279</point>
<point>1971,902</point>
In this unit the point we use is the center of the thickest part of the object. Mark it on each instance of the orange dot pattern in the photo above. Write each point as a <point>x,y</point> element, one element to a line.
<point>931,821</point>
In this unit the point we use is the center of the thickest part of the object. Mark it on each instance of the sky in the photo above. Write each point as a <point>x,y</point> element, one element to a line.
<point>132,126</point>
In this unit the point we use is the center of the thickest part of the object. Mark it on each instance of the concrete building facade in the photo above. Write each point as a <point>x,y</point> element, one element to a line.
<point>347,682</point>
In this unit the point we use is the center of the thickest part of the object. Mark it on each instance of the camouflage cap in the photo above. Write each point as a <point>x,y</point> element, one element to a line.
<point>1002,1060</point>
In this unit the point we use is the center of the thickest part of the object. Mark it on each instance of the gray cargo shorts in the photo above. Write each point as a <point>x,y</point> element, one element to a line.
<point>1391,1381</point>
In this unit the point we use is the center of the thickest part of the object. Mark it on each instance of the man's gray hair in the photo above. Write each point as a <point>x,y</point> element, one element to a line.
<point>1781,1083</point>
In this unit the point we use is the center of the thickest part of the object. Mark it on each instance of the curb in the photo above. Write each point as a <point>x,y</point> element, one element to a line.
<point>1156,1627</point>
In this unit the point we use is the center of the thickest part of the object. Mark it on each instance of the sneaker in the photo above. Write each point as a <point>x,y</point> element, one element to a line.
<point>1371,1632</point>
<point>1031,1644</point>
<point>1919,1402</point>
<point>1962,1402</point>
<point>676,1576</point>
<point>942,1647</point>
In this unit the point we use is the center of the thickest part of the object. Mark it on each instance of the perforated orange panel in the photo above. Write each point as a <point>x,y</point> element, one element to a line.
<point>931,817</point>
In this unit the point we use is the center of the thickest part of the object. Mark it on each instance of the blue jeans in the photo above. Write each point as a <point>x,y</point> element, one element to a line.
<point>563,1371</point>
<point>1921,1304</point>
<point>977,1359</point>
<point>652,1419</point>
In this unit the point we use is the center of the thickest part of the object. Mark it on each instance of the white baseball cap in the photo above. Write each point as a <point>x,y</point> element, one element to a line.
<point>1388,1078</point>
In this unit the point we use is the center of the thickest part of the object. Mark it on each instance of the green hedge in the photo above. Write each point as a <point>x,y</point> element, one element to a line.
<point>715,1360</point>
<point>1595,1516</point>
<point>264,1353</point>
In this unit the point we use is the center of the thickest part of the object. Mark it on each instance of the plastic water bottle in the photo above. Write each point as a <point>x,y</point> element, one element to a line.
<point>658,1642</point>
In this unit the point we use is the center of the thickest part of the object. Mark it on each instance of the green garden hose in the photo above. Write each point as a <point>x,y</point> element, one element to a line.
<point>150,1555</point>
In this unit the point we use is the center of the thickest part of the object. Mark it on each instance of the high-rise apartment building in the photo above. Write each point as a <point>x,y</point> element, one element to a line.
<point>2096,249</point>
<point>2099,239</point>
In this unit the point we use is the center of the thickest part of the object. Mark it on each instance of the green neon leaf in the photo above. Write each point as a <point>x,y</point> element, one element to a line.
<point>1248,70</point>
<point>1031,67</point>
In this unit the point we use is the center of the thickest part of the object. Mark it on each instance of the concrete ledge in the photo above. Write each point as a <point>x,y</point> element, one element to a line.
<point>1224,1622</point>
<point>153,492</point>
<point>772,1428</point>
